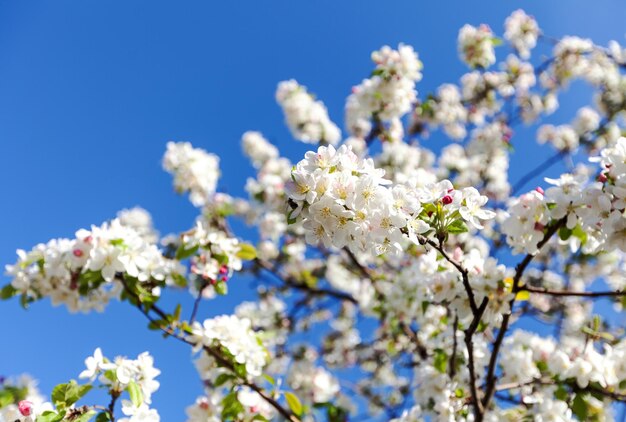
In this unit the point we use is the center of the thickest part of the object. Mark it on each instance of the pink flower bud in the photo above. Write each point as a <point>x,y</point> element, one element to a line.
<point>25,407</point>
<point>78,253</point>
<point>223,269</point>
<point>539,189</point>
<point>446,200</point>
<point>539,227</point>
<point>602,178</point>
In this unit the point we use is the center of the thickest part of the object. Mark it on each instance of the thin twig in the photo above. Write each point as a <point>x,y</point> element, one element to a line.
<point>571,292</point>
<point>519,271</point>
<point>215,354</point>
<point>537,170</point>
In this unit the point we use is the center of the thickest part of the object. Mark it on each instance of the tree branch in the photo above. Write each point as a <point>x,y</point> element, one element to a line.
<point>218,357</point>
<point>543,291</point>
<point>519,271</point>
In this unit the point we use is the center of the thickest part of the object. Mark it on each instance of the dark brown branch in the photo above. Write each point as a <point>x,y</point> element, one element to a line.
<point>452,364</point>
<point>519,271</point>
<point>460,269</point>
<point>211,351</point>
<point>314,291</point>
<point>477,312</point>
<point>543,291</point>
<point>478,407</point>
<point>111,409</point>
<point>537,171</point>
<point>196,304</point>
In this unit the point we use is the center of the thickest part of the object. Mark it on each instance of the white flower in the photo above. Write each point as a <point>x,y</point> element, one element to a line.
<point>194,170</point>
<point>138,414</point>
<point>307,119</point>
<point>471,210</point>
<point>522,32</point>
<point>95,364</point>
<point>476,46</point>
<point>236,335</point>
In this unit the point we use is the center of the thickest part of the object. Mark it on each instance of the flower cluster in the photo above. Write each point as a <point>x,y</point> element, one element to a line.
<point>476,46</point>
<point>236,336</point>
<point>259,150</point>
<point>522,32</point>
<point>194,170</point>
<point>388,94</point>
<point>119,373</point>
<point>306,118</point>
<point>593,212</point>
<point>345,202</point>
<point>214,256</point>
<point>20,400</point>
<point>410,287</point>
<point>312,382</point>
<point>80,272</point>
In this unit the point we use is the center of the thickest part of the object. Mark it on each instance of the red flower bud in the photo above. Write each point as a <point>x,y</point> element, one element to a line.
<point>446,200</point>
<point>25,407</point>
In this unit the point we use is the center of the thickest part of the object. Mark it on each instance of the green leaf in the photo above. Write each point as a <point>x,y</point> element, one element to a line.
<point>564,233</point>
<point>541,365</point>
<point>269,379</point>
<point>561,393</point>
<point>183,253</point>
<point>495,41</point>
<point>221,288</point>
<point>11,394</point>
<point>440,361</point>
<point>579,407</point>
<point>579,233</point>
<point>179,280</point>
<point>294,403</point>
<point>222,379</point>
<point>7,292</point>
<point>231,408</point>
<point>6,398</point>
<point>177,311</point>
<point>85,416</point>
<point>457,226</point>
<point>50,416</point>
<point>247,252</point>
<point>117,242</point>
<point>103,417</point>
<point>65,395</point>
<point>136,397</point>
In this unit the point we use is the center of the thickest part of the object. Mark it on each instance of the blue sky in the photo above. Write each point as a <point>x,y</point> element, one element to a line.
<point>90,92</point>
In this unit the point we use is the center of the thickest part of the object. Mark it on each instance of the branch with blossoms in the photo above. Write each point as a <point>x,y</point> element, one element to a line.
<point>374,257</point>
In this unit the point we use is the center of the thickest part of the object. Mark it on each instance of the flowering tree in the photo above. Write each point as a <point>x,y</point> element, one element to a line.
<point>389,279</point>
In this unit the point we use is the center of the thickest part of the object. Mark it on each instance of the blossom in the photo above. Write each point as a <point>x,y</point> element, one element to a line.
<point>194,170</point>
<point>390,91</point>
<point>236,335</point>
<point>476,46</point>
<point>95,364</point>
<point>522,32</point>
<point>471,210</point>
<point>306,118</point>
